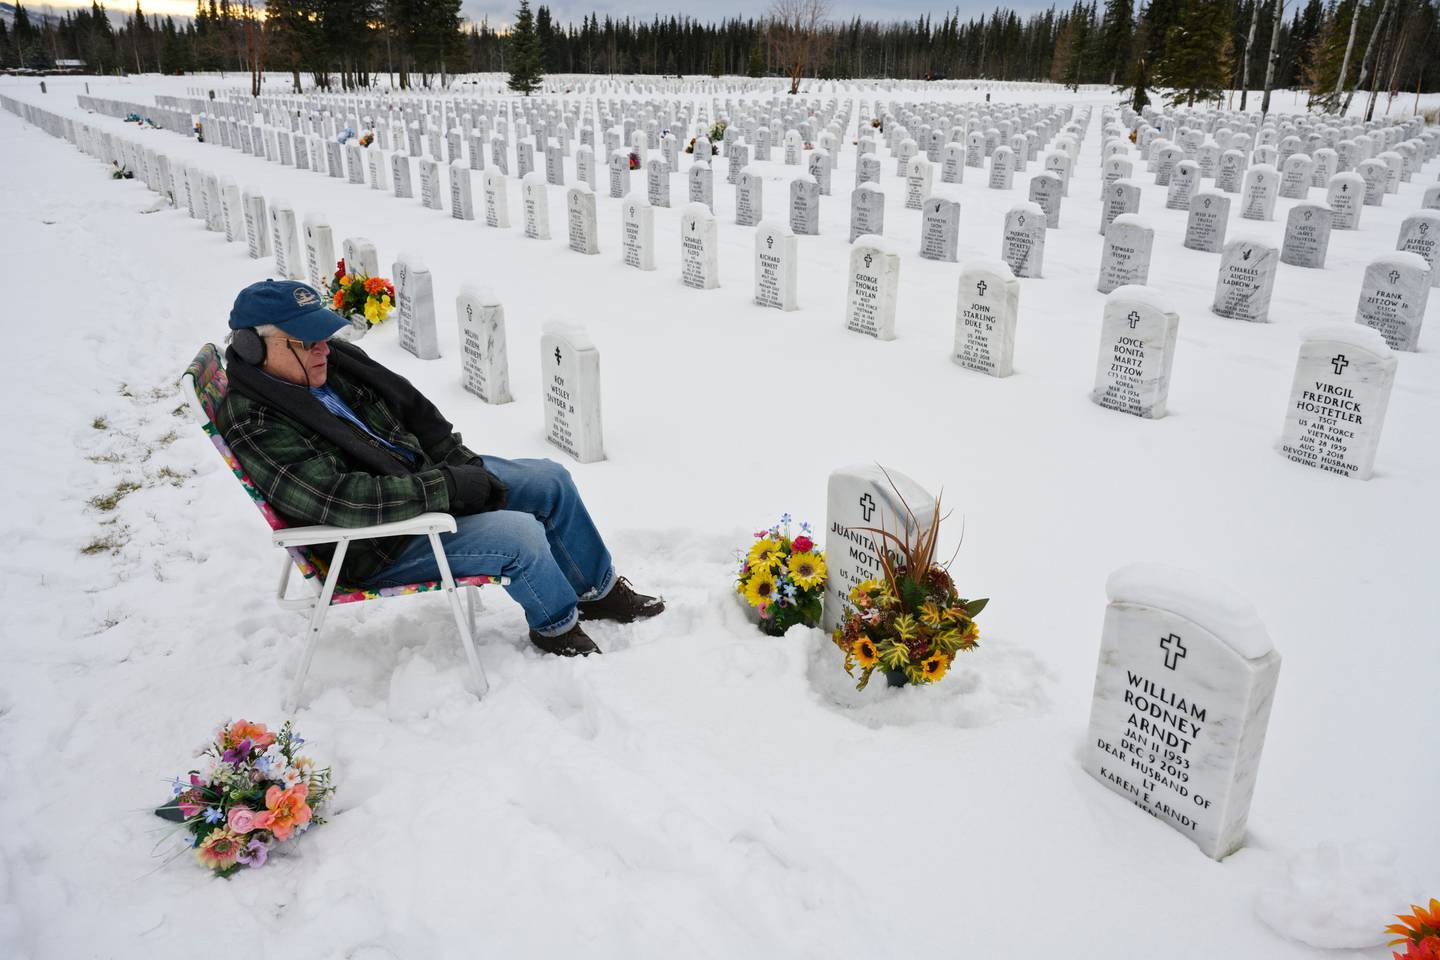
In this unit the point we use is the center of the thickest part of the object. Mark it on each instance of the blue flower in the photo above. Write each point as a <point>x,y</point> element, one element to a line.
<point>784,518</point>
<point>789,591</point>
<point>176,787</point>
<point>296,740</point>
<point>805,528</point>
<point>214,815</point>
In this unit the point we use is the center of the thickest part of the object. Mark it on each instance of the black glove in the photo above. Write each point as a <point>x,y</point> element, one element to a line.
<point>473,489</point>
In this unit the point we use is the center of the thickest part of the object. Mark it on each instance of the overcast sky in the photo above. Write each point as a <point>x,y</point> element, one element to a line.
<point>501,12</point>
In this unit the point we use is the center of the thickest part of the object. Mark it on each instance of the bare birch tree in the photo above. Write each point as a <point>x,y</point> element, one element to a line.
<point>799,36</point>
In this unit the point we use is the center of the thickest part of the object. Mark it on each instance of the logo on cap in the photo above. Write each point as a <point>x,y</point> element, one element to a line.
<point>305,297</point>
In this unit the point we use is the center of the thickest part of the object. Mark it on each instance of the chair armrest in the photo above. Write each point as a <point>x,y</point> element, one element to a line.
<point>307,536</point>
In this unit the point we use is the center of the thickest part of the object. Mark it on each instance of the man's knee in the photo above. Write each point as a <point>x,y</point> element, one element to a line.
<point>519,533</point>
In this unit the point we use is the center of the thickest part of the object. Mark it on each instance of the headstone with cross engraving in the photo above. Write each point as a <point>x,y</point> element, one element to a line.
<point>657,182</point>
<point>619,174</point>
<point>805,205</point>
<point>1307,235</point>
<point>360,256</point>
<point>1002,168</point>
<point>497,198</point>
<point>985,318</point>
<point>867,211</point>
<point>940,227</point>
<point>1393,297</point>
<point>1045,190</point>
<point>580,219</point>
<point>415,307</point>
<point>775,266</point>
<point>1121,197</point>
<point>1374,173</point>
<point>484,362</point>
<point>1137,349</point>
<point>1346,198</point>
<point>749,198</point>
<point>1420,234</point>
<point>859,499</point>
<point>462,201</point>
<point>319,251</point>
<point>1257,200</point>
<point>1245,281</point>
<point>874,279</point>
<point>1125,255</point>
<point>1183,689</point>
<point>918,177</point>
<point>570,379</point>
<point>1022,246</point>
<point>1338,399</point>
<point>637,233</point>
<point>534,195</point>
<point>699,258</point>
<point>285,240</point>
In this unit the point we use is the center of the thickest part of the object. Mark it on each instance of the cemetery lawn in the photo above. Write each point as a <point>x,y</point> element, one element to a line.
<point>701,790</point>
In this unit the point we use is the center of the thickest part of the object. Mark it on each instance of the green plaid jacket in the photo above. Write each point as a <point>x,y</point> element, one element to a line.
<point>308,479</point>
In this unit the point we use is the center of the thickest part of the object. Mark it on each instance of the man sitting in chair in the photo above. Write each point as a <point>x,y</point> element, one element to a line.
<point>329,436</point>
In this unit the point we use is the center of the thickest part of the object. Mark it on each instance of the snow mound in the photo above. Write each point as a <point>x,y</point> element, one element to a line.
<point>995,683</point>
<point>1351,334</point>
<point>1336,896</point>
<point>1210,603</point>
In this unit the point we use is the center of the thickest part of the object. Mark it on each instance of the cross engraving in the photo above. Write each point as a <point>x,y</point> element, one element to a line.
<point>1174,650</point>
<point>1340,363</point>
<point>980,287</point>
<point>867,506</point>
<point>1394,276</point>
<point>770,242</point>
<point>1134,319</point>
<point>868,260</point>
<point>557,356</point>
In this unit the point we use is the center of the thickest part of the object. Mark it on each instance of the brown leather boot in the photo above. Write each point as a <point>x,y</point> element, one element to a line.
<point>571,643</point>
<point>622,605</point>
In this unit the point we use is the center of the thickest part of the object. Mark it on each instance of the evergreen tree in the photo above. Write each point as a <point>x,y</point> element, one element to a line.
<point>1116,34</point>
<point>1196,64</point>
<point>524,52</point>
<point>545,33</point>
<point>756,66</point>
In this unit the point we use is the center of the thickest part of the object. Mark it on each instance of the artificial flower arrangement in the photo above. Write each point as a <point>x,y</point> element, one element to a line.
<point>354,294</point>
<point>199,131</point>
<point>634,160</point>
<point>120,172</point>
<point>367,138</point>
<point>909,623</point>
<point>717,131</point>
<point>784,577</point>
<point>254,791</point>
<point>690,147</point>
<point>1419,932</point>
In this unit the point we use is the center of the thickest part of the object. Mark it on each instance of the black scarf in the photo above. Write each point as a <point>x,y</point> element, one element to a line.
<point>409,406</point>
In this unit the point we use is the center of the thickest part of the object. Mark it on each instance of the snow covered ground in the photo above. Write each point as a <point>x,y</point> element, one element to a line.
<point>701,790</point>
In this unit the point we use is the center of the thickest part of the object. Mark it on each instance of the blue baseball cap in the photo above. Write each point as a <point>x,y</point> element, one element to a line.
<point>294,307</point>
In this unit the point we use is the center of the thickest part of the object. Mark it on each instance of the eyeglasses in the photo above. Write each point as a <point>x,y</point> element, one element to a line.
<point>306,345</point>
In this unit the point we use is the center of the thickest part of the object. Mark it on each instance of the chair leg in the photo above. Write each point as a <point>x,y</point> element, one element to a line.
<point>317,620</point>
<point>473,602</point>
<point>477,674</point>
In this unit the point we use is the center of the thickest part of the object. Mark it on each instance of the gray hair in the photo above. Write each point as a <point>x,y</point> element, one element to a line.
<point>262,330</point>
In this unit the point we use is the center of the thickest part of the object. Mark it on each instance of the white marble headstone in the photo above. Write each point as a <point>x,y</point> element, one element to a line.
<point>497,198</point>
<point>1125,254</point>
<point>637,233</point>
<point>1307,235</point>
<point>319,251</point>
<point>776,257</point>
<point>534,194</point>
<point>860,499</point>
<point>570,377</point>
<point>415,307</point>
<point>1246,280</point>
<point>1137,348</point>
<point>257,224</point>
<point>699,256</point>
<point>285,240</point>
<point>1022,246</point>
<point>1393,295</point>
<point>1183,689</point>
<point>985,317</point>
<point>580,219</point>
<point>484,362</point>
<point>1338,399</point>
<point>873,282</point>
<point>1420,234</point>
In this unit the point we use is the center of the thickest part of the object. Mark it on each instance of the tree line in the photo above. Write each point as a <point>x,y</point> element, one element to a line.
<point>1198,50</point>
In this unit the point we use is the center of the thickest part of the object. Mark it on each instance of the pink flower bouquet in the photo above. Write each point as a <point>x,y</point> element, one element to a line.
<point>254,790</point>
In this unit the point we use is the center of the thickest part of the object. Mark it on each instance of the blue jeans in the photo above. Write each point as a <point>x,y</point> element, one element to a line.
<point>544,541</point>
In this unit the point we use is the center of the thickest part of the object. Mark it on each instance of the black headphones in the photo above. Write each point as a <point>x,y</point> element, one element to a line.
<point>248,345</point>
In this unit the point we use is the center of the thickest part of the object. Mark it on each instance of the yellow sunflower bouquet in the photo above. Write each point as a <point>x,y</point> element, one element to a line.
<point>784,577</point>
<point>909,623</point>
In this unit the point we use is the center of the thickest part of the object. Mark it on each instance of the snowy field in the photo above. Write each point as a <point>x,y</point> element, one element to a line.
<point>701,790</point>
